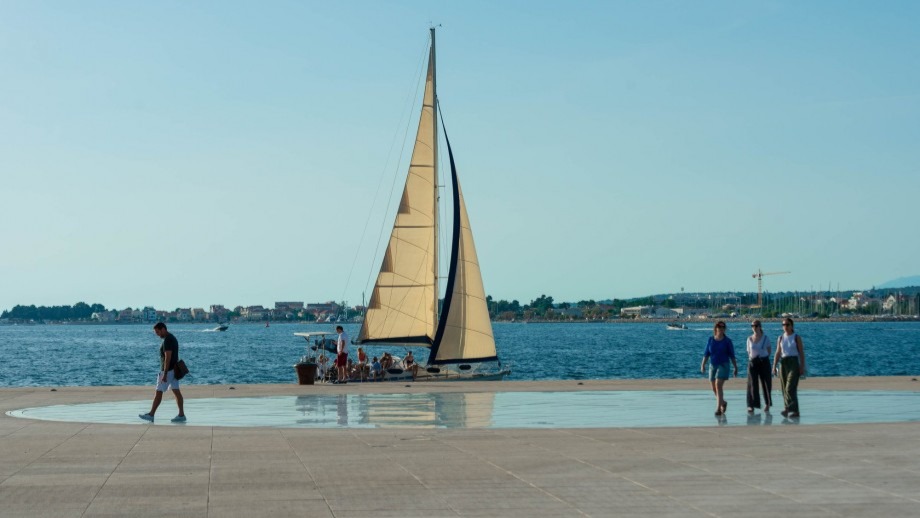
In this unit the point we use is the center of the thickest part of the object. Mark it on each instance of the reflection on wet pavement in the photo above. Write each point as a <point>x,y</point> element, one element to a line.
<point>588,409</point>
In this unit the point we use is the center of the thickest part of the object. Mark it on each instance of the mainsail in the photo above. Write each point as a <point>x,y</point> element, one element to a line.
<point>404,303</point>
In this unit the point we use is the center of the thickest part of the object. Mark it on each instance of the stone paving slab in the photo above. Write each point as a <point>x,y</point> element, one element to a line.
<point>59,469</point>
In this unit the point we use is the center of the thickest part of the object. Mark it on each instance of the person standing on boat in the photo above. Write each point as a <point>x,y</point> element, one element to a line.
<point>719,350</point>
<point>790,355</point>
<point>341,349</point>
<point>758,349</point>
<point>166,379</point>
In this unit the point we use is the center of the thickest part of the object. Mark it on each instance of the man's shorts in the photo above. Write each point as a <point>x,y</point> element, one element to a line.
<point>171,382</point>
<point>718,371</point>
<point>341,360</point>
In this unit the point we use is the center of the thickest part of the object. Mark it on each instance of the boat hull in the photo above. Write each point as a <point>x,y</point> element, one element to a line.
<point>406,377</point>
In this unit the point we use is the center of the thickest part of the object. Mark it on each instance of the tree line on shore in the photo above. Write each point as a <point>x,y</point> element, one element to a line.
<point>806,304</point>
<point>811,304</point>
<point>79,311</point>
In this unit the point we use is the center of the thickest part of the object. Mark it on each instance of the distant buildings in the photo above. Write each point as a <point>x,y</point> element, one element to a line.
<point>683,306</point>
<point>288,306</point>
<point>253,313</point>
<point>219,313</point>
<point>636,311</point>
<point>104,316</point>
<point>282,311</point>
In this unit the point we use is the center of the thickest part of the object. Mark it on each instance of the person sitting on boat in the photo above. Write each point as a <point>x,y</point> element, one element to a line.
<point>376,369</point>
<point>386,362</point>
<point>351,370</point>
<point>362,364</point>
<point>410,364</point>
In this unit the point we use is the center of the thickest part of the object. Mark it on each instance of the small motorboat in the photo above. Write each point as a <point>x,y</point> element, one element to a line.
<point>677,327</point>
<point>222,327</point>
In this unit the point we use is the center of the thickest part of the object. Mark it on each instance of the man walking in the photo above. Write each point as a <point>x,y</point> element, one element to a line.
<point>169,355</point>
<point>341,348</point>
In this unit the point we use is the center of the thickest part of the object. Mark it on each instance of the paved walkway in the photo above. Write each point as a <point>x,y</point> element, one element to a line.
<point>78,469</point>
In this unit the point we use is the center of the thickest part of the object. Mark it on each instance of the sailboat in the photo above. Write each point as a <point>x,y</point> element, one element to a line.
<point>403,308</point>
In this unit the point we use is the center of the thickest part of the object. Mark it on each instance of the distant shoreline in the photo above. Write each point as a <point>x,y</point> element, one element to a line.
<point>912,318</point>
<point>737,319</point>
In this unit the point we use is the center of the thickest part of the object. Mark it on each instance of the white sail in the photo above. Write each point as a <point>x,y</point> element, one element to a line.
<point>403,305</point>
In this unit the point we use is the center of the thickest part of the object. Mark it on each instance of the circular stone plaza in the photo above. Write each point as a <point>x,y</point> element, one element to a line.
<point>547,448</point>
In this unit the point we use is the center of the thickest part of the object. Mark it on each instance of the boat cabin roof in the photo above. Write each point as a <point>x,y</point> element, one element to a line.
<point>312,334</point>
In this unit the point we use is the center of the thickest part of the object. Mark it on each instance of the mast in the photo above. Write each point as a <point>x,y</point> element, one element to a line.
<point>434,138</point>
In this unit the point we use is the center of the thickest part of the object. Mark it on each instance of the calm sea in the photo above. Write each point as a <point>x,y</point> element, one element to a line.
<point>87,355</point>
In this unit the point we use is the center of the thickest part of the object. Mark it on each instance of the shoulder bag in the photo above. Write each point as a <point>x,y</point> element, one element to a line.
<point>180,370</point>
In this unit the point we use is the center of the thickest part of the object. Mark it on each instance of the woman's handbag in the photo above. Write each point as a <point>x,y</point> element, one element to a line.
<point>180,369</point>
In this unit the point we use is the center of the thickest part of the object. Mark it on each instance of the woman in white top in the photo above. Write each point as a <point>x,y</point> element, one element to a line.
<point>790,355</point>
<point>758,349</point>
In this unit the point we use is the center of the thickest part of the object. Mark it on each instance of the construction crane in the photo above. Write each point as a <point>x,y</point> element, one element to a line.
<point>759,276</point>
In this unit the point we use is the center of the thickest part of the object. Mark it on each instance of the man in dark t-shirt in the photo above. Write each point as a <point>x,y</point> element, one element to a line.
<point>171,345</point>
<point>166,379</point>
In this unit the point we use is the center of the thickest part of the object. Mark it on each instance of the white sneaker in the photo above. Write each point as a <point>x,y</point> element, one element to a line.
<point>146,417</point>
<point>178,419</point>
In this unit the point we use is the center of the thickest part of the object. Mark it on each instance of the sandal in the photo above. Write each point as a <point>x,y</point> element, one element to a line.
<point>724,406</point>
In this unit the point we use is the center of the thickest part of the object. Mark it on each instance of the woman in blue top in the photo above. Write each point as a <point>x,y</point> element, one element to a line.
<point>719,350</point>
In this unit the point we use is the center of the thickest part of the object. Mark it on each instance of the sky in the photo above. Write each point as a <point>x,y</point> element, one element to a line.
<point>183,154</point>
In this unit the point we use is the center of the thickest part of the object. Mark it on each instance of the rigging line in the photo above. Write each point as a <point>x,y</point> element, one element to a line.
<point>407,114</point>
<point>383,220</point>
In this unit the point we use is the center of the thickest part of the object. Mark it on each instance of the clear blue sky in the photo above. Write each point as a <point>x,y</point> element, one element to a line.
<point>191,153</point>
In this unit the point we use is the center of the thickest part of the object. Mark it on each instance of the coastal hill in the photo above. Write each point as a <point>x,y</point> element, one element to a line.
<point>901,282</point>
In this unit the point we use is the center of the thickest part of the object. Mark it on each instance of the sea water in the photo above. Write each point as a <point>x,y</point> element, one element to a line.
<point>96,355</point>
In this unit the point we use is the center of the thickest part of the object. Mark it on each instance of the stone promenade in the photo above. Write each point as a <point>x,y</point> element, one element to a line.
<point>59,469</point>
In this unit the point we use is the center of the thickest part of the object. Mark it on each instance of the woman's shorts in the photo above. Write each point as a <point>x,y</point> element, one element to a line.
<point>171,382</point>
<point>718,371</point>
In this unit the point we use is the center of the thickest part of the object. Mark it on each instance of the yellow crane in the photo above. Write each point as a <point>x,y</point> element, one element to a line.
<point>759,276</point>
